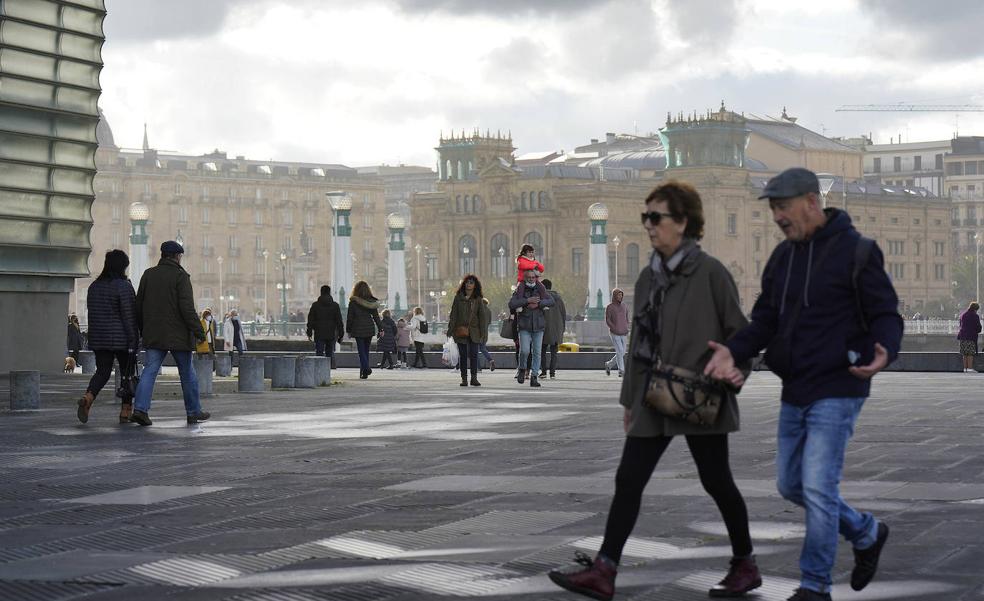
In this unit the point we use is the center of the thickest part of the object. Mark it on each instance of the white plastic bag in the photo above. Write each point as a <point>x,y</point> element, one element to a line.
<point>449,356</point>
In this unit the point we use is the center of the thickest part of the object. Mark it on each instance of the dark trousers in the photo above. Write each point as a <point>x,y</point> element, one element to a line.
<point>362,345</point>
<point>468,354</point>
<point>418,354</point>
<point>104,368</point>
<point>639,459</point>
<point>387,359</point>
<point>324,348</point>
<point>553,359</point>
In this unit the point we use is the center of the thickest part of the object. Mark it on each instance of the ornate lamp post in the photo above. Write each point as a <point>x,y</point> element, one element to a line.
<point>397,272</point>
<point>266,309</point>
<point>616,242</point>
<point>417,248</point>
<point>139,251</point>
<point>436,297</point>
<point>502,263</point>
<point>597,262</point>
<point>283,288</point>
<point>343,270</point>
<point>221,292</point>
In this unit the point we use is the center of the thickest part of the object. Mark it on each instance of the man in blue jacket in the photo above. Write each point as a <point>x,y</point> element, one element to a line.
<point>828,319</point>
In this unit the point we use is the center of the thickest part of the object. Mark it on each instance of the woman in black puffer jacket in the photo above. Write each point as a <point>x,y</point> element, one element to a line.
<point>362,322</point>
<point>113,332</point>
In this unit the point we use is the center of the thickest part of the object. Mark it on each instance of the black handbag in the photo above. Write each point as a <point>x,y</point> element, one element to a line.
<point>129,380</point>
<point>508,328</point>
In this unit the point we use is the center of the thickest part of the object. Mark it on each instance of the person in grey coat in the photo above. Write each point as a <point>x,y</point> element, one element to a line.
<point>684,299</point>
<point>528,302</point>
<point>553,334</point>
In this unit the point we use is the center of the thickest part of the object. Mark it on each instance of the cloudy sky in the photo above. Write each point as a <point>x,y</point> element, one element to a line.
<point>377,81</point>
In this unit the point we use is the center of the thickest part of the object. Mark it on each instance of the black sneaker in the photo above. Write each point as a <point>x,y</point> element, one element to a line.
<point>805,594</point>
<point>866,560</point>
<point>534,383</point>
<point>201,416</point>
<point>141,418</point>
<point>521,376</point>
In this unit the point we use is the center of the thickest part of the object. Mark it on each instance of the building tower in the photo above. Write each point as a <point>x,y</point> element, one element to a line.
<point>459,156</point>
<point>598,290</point>
<point>396,283</point>
<point>48,120</point>
<point>715,138</point>
<point>139,251</point>
<point>342,271</point>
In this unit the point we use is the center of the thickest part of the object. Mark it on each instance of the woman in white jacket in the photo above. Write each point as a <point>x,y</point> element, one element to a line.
<point>417,336</point>
<point>233,335</point>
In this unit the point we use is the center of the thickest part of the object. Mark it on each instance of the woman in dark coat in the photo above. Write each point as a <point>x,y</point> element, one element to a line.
<point>362,323</point>
<point>113,332</point>
<point>387,340</point>
<point>970,329</point>
<point>468,324</point>
<point>684,299</point>
<point>74,340</point>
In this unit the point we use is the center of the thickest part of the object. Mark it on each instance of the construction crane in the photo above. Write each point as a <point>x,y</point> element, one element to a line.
<point>913,108</point>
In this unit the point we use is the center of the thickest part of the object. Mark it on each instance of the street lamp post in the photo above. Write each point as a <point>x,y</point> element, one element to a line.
<point>616,242</point>
<point>266,309</point>
<point>464,267</point>
<point>221,292</point>
<point>826,182</point>
<point>502,263</point>
<point>436,297</point>
<point>977,267</point>
<point>417,248</point>
<point>283,289</point>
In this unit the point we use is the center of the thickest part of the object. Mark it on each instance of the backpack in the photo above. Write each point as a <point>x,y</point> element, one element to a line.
<point>423,327</point>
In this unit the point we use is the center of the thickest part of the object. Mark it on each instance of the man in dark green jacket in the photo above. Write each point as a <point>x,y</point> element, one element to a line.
<point>168,323</point>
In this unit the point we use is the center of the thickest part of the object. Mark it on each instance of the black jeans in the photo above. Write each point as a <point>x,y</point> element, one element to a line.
<point>639,459</point>
<point>387,359</point>
<point>418,354</point>
<point>324,348</point>
<point>104,368</point>
<point>468,352</point>
<point>553,358</point>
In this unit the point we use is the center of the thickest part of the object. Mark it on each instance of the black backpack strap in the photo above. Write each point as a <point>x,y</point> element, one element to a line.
<point>862,253</point>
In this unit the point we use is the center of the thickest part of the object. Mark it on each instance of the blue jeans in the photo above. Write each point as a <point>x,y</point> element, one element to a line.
<point>809,460</point>
<point>189,380</point>
<point>526,339</point>
<point>362,345</point>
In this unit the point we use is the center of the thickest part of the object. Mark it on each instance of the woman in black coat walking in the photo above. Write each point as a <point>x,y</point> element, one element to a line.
<point>387,340</point>
<point>113,332</point>
<point>362,323</point>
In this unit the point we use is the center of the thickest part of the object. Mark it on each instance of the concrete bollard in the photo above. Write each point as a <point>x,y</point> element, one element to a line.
<point>223,365</point>
<point>306,372</point>
<point>322,370</point>
<point>268,367</point>
<point>250,374</point>
<point>87,361</point>
<point>25,390</point>
<point>283,372</point>
<point>203,369</point>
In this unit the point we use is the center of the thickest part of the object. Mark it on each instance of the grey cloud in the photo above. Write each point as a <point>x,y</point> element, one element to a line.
<point>498,7</point>
<point>704,24</point>
<point>149,20</point>
<point>919,29</point>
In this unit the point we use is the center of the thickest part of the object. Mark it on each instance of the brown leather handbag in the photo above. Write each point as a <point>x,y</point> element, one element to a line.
<point>461,332</point>
<point>684,394</point>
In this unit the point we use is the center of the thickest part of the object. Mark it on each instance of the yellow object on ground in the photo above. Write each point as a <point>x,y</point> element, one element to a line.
<point>569,347</point>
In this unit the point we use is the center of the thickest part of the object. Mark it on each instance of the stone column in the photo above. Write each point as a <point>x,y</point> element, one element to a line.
<point>283,372</point>
<point>306,372</point>
<point>251,374</point>
<point>223,365</point>
<point>203,369</point>
<point>397,276</point>
<point>598,281</point>
<point>87,361</point>
<point>323,370</point>
<point>25,390</point>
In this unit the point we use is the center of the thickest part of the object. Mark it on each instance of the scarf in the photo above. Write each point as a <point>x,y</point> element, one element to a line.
<point>662,274</point>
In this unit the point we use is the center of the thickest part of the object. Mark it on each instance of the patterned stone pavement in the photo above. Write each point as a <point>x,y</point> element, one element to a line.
<point>407,487</point>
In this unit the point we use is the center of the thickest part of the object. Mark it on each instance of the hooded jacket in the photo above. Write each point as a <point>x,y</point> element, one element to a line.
<point>617,315</point>
<point>324,320</point>
<point>362,318</point>
<point>813,362</point>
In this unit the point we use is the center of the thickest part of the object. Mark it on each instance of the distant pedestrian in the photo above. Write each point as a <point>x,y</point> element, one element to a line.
<point>387,340</point>
<point>362,322</point>
<point>324,324</point>
<point>113,330</point>
<point>528,302</point>
<point>402,343</point>
<point>168,323</point>
<point>74,341</point>
<point>553,334</point>
<point>206,348</point>
<point>233,334</point>
<point>418,328</point>
<point>483,348</point>
<point>617,320</point>
<point>468,324</point>
<point>828,318</point>
<point>970,329</point>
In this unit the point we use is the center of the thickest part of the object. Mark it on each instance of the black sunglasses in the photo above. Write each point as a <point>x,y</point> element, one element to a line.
<point>654,217</point>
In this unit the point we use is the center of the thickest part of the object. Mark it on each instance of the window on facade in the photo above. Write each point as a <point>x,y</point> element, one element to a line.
<point>758,267</point>
<point>258,216</point>
<point>970,239</point>
<point>259,242</point>
<point>366,248</point>
<point>234,267</point>
<point>542,200</point>
<point>367,221</point>
<point>182,214</point>
<point>288,242</point>
<point>632,260</point>
<point>233,241</point>
<point>757,243</point>
<point>917,163</point>
<point>732,224</point>
<point>116,238</point>
<point>233,214</point>
<point>366,201</point>
<point>467,254</point>
<point>916,247</point>
<point>259,194</point>
<point>970,168</point>
<point>612,264</point>
<point>117,213</point>
<point>938,248</point>
<point>457,203</point>
<point>877,165</point>
<point>431,264</point>
<point>955,168</point>
<point>939,161</point>
<point>309,218</point>
<point>466,204</point>
<point>577,258</point>
<point>971,212</point>
<point>206,215</point>
<point>918,271</point>
<point>897,270</point>
<point>476,204</point>
<point>500,261</point>
<point>939,271</point>
<point>522,201</point>
<point>288,218</point>
<point>207,266</point>
<point>896,247</point>
<point>971,190</point>
<point>177,189</point>
<point>897,164</point>
<point>955,191</point>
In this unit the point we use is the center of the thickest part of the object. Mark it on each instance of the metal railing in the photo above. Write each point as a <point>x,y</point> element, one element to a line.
<point>931,326</point>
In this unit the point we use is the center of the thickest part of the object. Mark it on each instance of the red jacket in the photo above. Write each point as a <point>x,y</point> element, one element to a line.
<point>525,264</point>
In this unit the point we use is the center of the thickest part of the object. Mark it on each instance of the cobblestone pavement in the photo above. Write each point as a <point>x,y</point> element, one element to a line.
<point>407,487</point>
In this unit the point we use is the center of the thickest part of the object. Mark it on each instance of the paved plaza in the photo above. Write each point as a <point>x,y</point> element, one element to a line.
<point>406,487</point>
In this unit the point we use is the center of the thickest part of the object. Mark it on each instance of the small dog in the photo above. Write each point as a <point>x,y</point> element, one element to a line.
<point>70,365</point>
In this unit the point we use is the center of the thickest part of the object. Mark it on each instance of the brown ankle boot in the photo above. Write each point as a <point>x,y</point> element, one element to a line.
<point>85,403</point>
<point>594,578</point>
<point>742,577</point>
<point>126,410</point>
